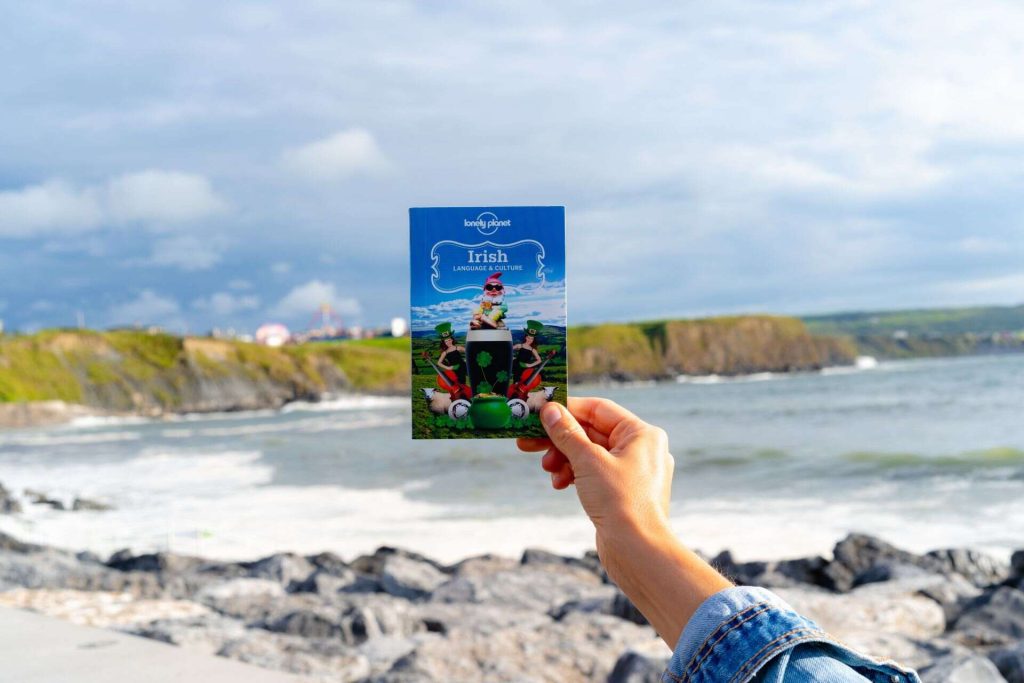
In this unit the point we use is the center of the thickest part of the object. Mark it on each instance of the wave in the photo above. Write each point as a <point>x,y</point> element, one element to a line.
<point>65,438</point>
<point>353,402</point>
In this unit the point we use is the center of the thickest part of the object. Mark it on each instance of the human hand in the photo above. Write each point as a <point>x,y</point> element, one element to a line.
<point>621,466</point>
<point>622,470</point>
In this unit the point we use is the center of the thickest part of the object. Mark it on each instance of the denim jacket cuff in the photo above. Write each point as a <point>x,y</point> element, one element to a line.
<point>739,630</point>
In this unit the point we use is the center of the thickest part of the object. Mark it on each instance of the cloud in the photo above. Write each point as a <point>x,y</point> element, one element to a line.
<point>153,198</point>
<point>344,154</point>
<point>162,197</point>
<point>303,301</point>
<point>186,252</point>
<point>50,208</point>
<point>147,308</point>
<point>281,268</point>
<point>226,303</point>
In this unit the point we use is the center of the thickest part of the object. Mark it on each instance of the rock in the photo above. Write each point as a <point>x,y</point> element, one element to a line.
<point>638,667</point>
<point>870,616</point>
<point>535,556</point>
<point>308,624</point>
<point>483,565</point>
<point>977,567</point>
<point>409,578</point>
<point>994,618</point>
<point>889,571</point>
<point>9,505</point>
<point>86,504</point>
<point>952,593</point>
<point>1010,662</point>
<point>961,668</point>
<point>171,563</point>
<point>207,633</point>
<point>288,569</point>
<point>11,544</point>
<point>327,660</point>
<point>373,564</point>
<point>856,554</point>
<point>539,588</point>
<point>612,602</point>
<point>579,648</point>
<point>1017,564</point>
<point>809,570</point>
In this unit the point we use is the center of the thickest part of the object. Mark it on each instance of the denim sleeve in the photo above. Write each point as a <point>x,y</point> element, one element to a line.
<point>750,634</point>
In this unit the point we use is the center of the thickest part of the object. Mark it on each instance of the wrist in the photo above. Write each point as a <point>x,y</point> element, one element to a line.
<point>661,576</point>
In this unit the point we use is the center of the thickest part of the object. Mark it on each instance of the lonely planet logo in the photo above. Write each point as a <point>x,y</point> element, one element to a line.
<point>487,223</point>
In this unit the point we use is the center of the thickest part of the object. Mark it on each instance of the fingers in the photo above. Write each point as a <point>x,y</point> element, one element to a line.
<point>553,460</point>
<point>533,445</point>
<point>563,478</point>
<point>602,414</point>
<point>569,437</point>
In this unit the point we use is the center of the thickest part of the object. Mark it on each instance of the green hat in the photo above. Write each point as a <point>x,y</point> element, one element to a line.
<point>533,327</point>
<point>444,329</point>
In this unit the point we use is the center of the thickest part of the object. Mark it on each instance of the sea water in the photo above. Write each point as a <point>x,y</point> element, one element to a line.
<point>926,454</point>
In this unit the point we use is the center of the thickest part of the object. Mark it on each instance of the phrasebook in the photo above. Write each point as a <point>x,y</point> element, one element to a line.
<point>487,319</point>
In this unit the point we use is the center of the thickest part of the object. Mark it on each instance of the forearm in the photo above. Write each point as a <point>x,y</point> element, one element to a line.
<point>664,579</point>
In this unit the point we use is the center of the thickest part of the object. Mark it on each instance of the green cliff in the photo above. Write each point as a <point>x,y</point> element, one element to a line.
<point>140,372</point>
<point>723,346</point>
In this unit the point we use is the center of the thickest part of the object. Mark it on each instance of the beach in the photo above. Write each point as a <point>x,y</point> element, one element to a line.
<point>175,513</point>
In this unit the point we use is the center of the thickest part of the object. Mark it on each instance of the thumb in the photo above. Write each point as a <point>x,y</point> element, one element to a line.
<point>568,435</point>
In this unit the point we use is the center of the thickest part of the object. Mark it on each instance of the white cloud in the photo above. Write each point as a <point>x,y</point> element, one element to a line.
<point>281,268</point>
<point>239,284</point>
<point>303,301</point>
<point>147,308</point>
<point>153,198</point>
<point>49,208</point>
<point>186,252</point>
<point>342,155</point>
<point>226,303</point>
<point>162,196</point>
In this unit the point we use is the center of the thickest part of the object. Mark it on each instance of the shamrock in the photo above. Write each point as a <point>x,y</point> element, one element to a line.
<point>484,388</point>
<point>501,376</point>
<point>483,359</point>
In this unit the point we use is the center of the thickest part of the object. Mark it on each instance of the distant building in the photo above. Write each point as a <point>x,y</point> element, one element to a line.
<point>273,334</point>
<point>399,328</point>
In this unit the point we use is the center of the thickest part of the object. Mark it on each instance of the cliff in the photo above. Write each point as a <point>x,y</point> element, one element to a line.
<point>139,372</point>
<point>722,346</point>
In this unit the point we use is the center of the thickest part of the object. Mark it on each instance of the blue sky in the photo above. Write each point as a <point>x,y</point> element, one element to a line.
<point>228,163</point>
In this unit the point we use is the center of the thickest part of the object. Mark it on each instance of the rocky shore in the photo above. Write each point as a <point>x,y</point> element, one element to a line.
<point>396,616</point>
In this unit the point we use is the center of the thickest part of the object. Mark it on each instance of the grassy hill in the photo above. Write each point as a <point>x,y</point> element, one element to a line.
<point>128,370</point>
<point>979,320</point>
<point>928,332</point>
<point>726,346</point>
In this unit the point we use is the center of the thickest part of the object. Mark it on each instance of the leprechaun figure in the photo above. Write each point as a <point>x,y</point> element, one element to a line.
<point>492,308</point>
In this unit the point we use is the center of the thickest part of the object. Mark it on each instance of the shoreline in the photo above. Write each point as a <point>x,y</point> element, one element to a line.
<point>395,616</point>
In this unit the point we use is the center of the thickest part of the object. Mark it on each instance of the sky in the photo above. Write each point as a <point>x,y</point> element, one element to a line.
<point>198,165</point>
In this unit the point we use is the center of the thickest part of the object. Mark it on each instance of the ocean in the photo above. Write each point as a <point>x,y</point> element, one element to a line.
<point>925,453</point>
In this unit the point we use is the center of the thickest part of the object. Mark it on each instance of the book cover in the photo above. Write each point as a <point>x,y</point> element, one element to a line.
<point>487,319</point>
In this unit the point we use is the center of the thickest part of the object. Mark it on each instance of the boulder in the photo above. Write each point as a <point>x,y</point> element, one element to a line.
<point>87,504</point>
<point>639,667</point>
<point>206,633</point>
<point>579,648</point>
<point>409,578</point>
<point>977,567</point>
<point>325,660</point>
<point>961,668</point>
<point>995,618</point>
<point>9,505</point>
<point>288,569</point>
<point>1010,662</point>
<point>538,587</point>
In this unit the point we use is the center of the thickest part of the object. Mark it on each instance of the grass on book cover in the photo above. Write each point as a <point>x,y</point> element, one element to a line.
<point>487,318</point>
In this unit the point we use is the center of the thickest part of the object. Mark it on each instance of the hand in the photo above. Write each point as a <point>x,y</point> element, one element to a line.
<point>622,470</point>
<point>620,464</point>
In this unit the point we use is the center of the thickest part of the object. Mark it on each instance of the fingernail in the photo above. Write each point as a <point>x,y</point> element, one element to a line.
<point>550,415</point>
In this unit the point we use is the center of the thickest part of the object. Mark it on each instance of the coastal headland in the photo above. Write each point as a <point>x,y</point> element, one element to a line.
<point>53,376</point>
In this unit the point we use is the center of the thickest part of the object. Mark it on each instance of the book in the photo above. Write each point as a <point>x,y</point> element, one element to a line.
<point>487,319</point>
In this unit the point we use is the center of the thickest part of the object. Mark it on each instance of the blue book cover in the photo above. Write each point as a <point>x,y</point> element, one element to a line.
<point>487,319</point>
